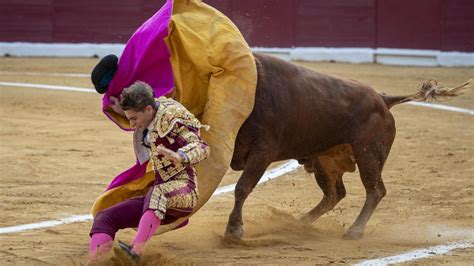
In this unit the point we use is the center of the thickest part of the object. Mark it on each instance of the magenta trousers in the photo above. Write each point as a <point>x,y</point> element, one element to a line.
<point>127,214</point>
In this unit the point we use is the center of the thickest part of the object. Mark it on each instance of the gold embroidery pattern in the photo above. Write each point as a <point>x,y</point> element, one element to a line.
<point>168,173</point>
<point>160,203</point>
<point>171,112</point>
<point>165,167</point>
<point>195,150</point>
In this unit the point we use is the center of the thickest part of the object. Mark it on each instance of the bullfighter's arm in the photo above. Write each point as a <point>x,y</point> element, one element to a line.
<point>193,147</point>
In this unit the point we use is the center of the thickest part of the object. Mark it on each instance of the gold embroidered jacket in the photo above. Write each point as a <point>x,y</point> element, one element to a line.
<point>177,129</point>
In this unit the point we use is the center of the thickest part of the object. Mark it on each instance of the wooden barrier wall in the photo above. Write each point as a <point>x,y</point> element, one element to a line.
<point>446,25</point>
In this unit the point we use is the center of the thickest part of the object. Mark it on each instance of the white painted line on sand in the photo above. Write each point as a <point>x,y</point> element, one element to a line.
<point>288,167</point>
<point>40,74</point>
<point>444,107</point>
<point>283,169</point>
<point>418,254</point>
<point>45,224</point>
<point>44,86</point>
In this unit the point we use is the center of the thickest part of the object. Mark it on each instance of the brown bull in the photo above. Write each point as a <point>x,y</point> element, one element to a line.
<point>328,124</point>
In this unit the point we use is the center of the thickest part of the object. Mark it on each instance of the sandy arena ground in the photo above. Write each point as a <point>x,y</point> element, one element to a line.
<point>58,152</point>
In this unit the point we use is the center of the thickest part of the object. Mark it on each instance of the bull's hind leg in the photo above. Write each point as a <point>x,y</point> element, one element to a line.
<point>253,171</point>
<point>370,157</point>
<point>333,189</point>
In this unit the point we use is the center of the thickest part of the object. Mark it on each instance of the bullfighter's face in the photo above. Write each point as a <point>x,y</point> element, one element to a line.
<point>141,119</point>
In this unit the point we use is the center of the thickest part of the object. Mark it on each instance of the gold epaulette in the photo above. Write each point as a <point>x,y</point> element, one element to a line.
<point>171,112</point>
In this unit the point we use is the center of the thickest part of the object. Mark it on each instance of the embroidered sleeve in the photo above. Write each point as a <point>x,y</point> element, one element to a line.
<point>193,147</point>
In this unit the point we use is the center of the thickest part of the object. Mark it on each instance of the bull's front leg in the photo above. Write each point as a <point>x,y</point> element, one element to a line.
<point>252,173</point>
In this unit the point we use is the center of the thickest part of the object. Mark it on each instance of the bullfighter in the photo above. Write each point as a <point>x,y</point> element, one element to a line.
<point>168,135</point>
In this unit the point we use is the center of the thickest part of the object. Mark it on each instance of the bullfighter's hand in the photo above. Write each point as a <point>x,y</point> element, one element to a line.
<point>116,106</point>
<point>171,155</point>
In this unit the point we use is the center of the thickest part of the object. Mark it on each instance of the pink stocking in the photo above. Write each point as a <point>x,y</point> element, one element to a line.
<point>100,244</point>
<point>146,228</point>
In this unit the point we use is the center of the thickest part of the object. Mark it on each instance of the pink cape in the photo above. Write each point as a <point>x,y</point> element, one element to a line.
<point>146,57</point>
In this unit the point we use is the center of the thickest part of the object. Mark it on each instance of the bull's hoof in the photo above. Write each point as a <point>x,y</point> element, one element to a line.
<point>352,235</point>
<point>234,232</point>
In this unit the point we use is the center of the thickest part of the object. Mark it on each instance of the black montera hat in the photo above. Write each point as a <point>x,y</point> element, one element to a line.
<point>103,73</point>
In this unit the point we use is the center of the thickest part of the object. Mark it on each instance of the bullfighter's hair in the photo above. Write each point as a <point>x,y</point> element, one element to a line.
<point>136,97</point>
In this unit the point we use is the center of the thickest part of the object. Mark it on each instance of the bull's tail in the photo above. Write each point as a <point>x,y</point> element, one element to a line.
<point>430,91</point>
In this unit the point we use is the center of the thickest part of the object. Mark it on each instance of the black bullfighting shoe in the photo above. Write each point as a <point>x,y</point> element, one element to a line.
<point>126,254</point>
